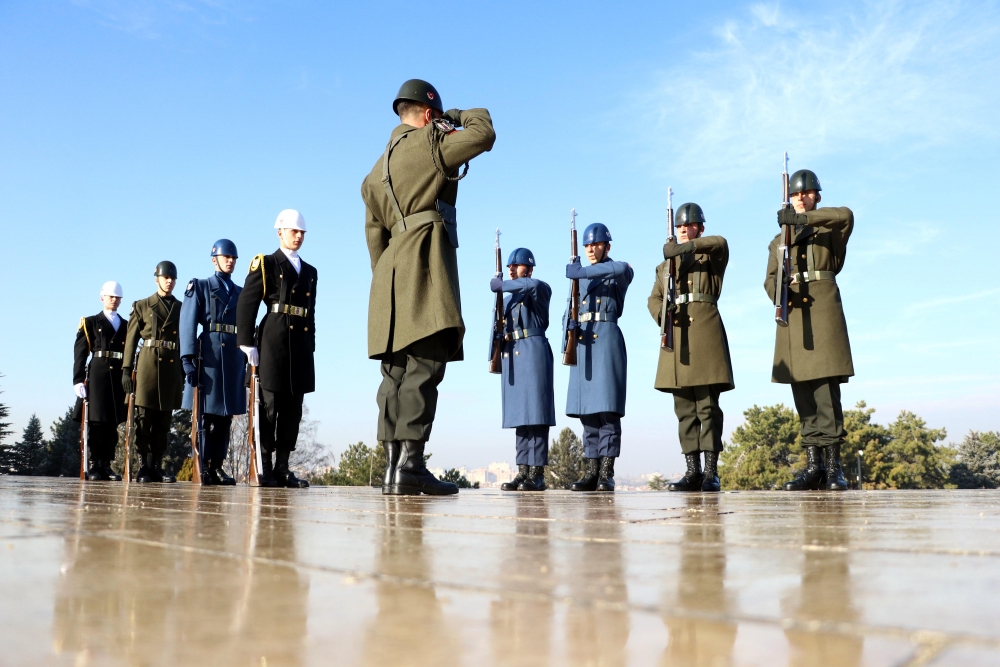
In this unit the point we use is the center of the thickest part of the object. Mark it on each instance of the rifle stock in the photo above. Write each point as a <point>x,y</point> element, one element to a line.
<point>784,264</point>
<point>498,323</point>
<point>569,356</point>
<point>669,286</point>
<point>130,431</point>
<point>84,437</point>
<point>253,429</point>
<point>196,434</point>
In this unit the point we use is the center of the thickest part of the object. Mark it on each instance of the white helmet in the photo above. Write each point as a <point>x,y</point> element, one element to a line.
<point>111,288</point>
<point>290,219</point>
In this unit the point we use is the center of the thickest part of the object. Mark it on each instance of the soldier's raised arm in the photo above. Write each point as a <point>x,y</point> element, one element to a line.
<point>476,138</point>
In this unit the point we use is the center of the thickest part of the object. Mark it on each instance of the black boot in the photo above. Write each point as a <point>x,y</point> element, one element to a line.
<point>515,484</point>
<point>219,476</point>
<point>691,481</point>
<point>590,475</point>
<point>284,475</point>
<point>145,474</point>
<point>834,473</point>
<point>265,476</point>
<point>157,471</point>
<point>391,461</point>
<point>108,472</point>
<point>206,474</point>
<point>710,480</point>
<point>96,472</point>
<point>413,478</point>
<point>812,477</point>
<point>535,481</point>
<point>606,480</point>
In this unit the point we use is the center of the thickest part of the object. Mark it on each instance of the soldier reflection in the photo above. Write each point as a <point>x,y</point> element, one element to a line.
<point>596,631</point>
<point>521,620</point>
<point>701,588</point>
<point>825,593</point>
<point>409,628</point>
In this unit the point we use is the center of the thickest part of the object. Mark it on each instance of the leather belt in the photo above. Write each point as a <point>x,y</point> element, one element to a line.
<point>518,334</point>
<point>109,355</point>
<point>696,296</point>
<point>223,328</point>
<point>289,310</point>
<point>813,276</point>
<point>598,317</point>
<point>164,344</point>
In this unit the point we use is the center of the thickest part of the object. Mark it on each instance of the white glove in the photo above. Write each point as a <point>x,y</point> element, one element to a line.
<point>253,356</point>
<point>80,390</point>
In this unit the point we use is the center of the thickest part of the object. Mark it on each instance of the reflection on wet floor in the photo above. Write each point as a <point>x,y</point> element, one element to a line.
<point>166,575</point>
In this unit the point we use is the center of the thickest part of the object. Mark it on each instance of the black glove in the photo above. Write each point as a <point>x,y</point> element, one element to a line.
<point>190,369</point>
<point>454,116</point>
<point>672,249</point>
<point>127,380</point>
<point>788,216</point>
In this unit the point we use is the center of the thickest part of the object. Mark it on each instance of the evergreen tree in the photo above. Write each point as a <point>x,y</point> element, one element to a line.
<point>978,465</point>
<point>6,451</point>
<point>657,483</point>
<point>910,459</point>
<point>62,452</point>
<point>29,453</point>
<point>178,442</point>
<point>865,435</point>
<point>357,468</point>
<point>457,478</point>
<point>565,460</point>
<point>764,451</point>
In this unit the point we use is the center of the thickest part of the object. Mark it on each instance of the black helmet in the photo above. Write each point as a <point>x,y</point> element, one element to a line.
<point>689,214</point>
<point>418,90</point>
<point>166,269</point>
<point>224,247</point>
<point>803,180</point>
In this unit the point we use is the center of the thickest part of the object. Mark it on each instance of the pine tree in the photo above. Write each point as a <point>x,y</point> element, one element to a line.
<point>865,435</point>
<point>62,452</point>
<point>565,460</point>
<point>978,465</point>
<point>764,449</point>
<point>909,459</point>
<point>29,453</point>
<point>178,442</point>
<point>6,451</point>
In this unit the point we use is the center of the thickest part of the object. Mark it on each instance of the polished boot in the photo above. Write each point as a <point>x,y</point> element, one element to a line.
<point>265,476</point>
<point>515,484</point>
<point>391,461</point>
<point>412,477</point>
<point>96,472</point>
<point>145,474</point>
<point>157,473</point>
<point>606,478</point>
<point>535,481</point>
<point>834,473</point>
<point>590,475</point>
<point>206,474</point>
<point>812,477</point>
<point>219,476</point>
<point>691,481</point>
<point>284,475</point>
<point>111,474</point>
<point>710,480</point>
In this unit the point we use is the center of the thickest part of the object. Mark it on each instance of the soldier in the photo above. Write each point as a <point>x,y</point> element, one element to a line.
<point>415,322</point>
<point>698,369</point>
<point>597,383</point>
<point>282,345</point>
<point>813,353</point>
<point>102,337</point>
<point>526,390</point>
<point>159,379</point>
<point>212,361</point>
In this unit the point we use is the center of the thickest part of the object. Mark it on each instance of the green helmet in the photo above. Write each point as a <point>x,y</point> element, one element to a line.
<point>803,180</point>
<point>417,90</point>
<point>166,269</point>
<point>689,214</point>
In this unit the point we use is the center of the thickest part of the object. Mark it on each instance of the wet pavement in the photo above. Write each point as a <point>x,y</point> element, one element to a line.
<point>182,575</point>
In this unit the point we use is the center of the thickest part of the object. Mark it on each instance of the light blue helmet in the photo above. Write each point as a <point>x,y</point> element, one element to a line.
<point>596,233</point>
<point>224,247</point>
<point>521,256</point>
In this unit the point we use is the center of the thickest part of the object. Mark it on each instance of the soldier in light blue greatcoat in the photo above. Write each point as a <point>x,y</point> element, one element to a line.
<point>528,399</point>
<point>597,382</point>
<point>213,361</point>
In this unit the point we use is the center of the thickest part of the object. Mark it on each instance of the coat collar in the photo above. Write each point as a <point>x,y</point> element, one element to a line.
<point>402,128</point>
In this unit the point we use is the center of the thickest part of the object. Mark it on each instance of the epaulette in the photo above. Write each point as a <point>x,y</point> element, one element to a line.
<point>83,325</point>
<point>258,262</point>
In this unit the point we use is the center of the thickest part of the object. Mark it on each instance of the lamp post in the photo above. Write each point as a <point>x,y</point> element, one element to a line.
<point>861,453</point>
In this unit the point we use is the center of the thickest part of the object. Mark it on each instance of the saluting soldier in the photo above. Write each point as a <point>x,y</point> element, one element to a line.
<point>99,381</point>
<point>526,375</point>
<point>415,322</point>
<point>213,361</point>
<point>282,345</point>
<point>813,353</point>
<point>159,378</point>
<point>597,383</point>
<point>698,369</point>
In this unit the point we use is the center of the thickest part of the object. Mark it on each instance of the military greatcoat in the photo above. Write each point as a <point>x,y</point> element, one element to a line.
<point>414,291</point>
<point>814,344</point>
<point>527,394</point>
<point>211,302</point>
<point>701,349</point>
<point>103,373</point>
<point>159,377</point>
<point>597,382</point>
<point>286,335</point>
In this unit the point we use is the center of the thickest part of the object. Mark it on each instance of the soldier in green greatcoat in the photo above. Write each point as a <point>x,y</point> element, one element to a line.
<point>415,322</point>
<point>159,376</point>
<point>813,353</point>
<point>698,369</point>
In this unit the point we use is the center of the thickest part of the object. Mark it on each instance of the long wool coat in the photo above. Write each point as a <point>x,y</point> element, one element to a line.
<point>597,382</point>
<point>105,396</point>
<point>814,344</point>
<point>414,290</point>
<point>701,348</point>
<point>159,378</point>
<point>527,394</point>
<point>208,302</point>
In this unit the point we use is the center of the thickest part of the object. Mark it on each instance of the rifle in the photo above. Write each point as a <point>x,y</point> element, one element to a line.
<point>253,429</point>
<point>84,432</point>
<point>669,286</point>
<point>569,356</point>
<point>197,428</point>
<point>785,265</point>
<point>495,365</point>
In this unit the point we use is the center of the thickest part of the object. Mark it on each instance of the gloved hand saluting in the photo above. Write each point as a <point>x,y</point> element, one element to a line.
<point>190,369</point>
<point>574,270</point>
<point>454,116</point>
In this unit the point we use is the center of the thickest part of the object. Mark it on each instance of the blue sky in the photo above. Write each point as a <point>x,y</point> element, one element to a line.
<point>133,132</point>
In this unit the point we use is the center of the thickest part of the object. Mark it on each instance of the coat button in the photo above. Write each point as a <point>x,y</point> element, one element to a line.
<point>293,291</point>
<point>595,335</point>
<point>307,328</point>
<point>585,302</point>
<point>307,294</point>
<point>690,319</point>
<point>504,355</point>
<point>291,326</point>
<point>598,301</point>
<point>223,345</point>
<point>580,337</point>
<point>517,352</point>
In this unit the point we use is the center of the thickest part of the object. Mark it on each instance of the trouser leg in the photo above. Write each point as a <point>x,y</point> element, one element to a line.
<point>102,438</point>
<point>152,431</point>
<point>611,435</point>
<point>393,368</point>
<point>160,434</point>
<point>710,418</point>
<point>217,430</point>
<point>532,445</point>
<point>820,412</point>
<point>591,435</point>
<point>281,413</point>
<point>688,426</point>
<point>409,392</point>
